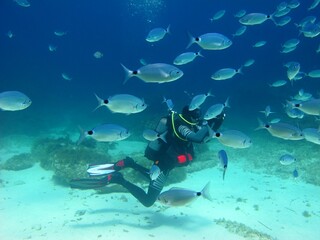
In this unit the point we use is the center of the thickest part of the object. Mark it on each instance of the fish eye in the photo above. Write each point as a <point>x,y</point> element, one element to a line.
<point>90,132</point>
<point>197,39</point>
<point>106,101</point>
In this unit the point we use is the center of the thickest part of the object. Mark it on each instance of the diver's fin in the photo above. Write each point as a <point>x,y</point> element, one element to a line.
<point>100,169</point>
<point>89,183</point>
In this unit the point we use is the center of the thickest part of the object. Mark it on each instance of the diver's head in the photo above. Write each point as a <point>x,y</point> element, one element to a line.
<point>193,116</point>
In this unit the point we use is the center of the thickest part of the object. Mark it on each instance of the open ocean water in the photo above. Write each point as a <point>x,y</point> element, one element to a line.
<point>117,29</point>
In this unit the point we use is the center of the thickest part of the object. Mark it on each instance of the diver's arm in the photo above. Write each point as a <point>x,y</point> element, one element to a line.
<point>197,137</point>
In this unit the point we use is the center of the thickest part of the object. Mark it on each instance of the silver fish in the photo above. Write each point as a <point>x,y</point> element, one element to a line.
<point>278,83</point>
<point>282,130</point>
<point>157,34</point>
<point>181,196</point>
<point>14,101</point>
<point>223,157</point>
<point>311,107</point>
<point>314,73</point>
<point>225,73</point>
<point>259,44</point>
<point>105,133</point>
<point>198,100</point>
<point>218,15</point>
<point>122,103</point>
<point>186,57</point>
<point>287,159</point>
<point>23,3</point>
<point>154,73</point>
<point>283,21</point>
<point>216,110</point>
<point>254,18</point>
<point>152,135</point>
<point>241,30</point>
<point>211,41</point>
<point>169,103</point>
<point>233,138</point>
<point>154,172</point>
<point>312,135</point>
<point>293,69</point>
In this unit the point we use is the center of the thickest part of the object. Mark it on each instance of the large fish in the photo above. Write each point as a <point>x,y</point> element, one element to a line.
<point>14,101</point>
<point>122,103</point>
<point>282,130</point>
<point>311,107</point>
<point>105,133</point>
<point>233,138</point>
<point>211,41</point>
<point>154,73</point>
<point>181,196</point>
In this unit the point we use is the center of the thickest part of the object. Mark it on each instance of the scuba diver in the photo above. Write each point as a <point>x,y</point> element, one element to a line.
<point>182,131</point>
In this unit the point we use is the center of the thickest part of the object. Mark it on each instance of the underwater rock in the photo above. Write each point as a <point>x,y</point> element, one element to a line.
<point>19,162</point>
<point>66,159</point>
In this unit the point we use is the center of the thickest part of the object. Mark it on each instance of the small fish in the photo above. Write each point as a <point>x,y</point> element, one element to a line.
<point>181,196</point>
<point>10,34</point>
<point>241,30</point>
<point>293,42</point>
<point>275,120</point>
<point>233,138</point>
<point>259,44</point>
<point>287,159</point>
<point>249,62</point>
<point>198,100</point>
<point>293,4</point>
<point>52,48</point>
<point>98,54</point>
<point>267,111</point>
<point>22,3</point>
<point>216,110</point>
<point>60,33</point>
<point>152,135</point>
<point>314,73</point>
<point>218,15</point>
<point>278,83</point>
<point>254,18</point>
<point>211,41</point>
<point>314,4</point>
<point>186,57</point>
<point>14,101</point>
<point>65,76</point>
<point>105,133</point>
<point>154,172</point>
<point>169,103</point>
<point>295,173</point>
<point>154,73</point>
<point>283,21</point>
<point>288,50</point>
<point>157,34</point>
<point>293,69</point>
<point>122,103</point>
<point>222,155</point>
<point>240,13</point>
<point>225,73</point>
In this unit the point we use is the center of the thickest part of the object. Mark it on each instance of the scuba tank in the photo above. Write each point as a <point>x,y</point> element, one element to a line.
<point>158,146</point>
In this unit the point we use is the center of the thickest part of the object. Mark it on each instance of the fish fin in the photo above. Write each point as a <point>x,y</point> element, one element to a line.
<point>128,72</point>
<point>226,103</point>
<point>82,136</point>
<point>199,54</point>
<point>191,40</point>
<point>100,102</point>
<point>206,192</point>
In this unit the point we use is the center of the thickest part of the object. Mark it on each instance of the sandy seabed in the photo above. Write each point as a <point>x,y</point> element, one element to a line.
<point>246,205</point>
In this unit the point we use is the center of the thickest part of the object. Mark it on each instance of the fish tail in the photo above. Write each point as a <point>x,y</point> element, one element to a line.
<point>82,135</point>
<point>261,124</point>
<point>226,103</point>
<point>168,28</point>
<point>199,54</point>
<point>163,136</point>
<point>128,72</point>
<point>206,192</point>
<point>100,102</point>
<point>191,40</point>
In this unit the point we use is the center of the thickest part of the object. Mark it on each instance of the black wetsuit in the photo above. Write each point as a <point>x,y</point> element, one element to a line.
<point>177,152</point>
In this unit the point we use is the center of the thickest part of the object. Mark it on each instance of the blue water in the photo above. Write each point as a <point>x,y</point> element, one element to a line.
<point>118,29</point>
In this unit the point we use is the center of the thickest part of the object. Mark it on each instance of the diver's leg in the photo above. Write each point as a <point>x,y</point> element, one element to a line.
<point>129,162</point>
<point>146,199</point>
